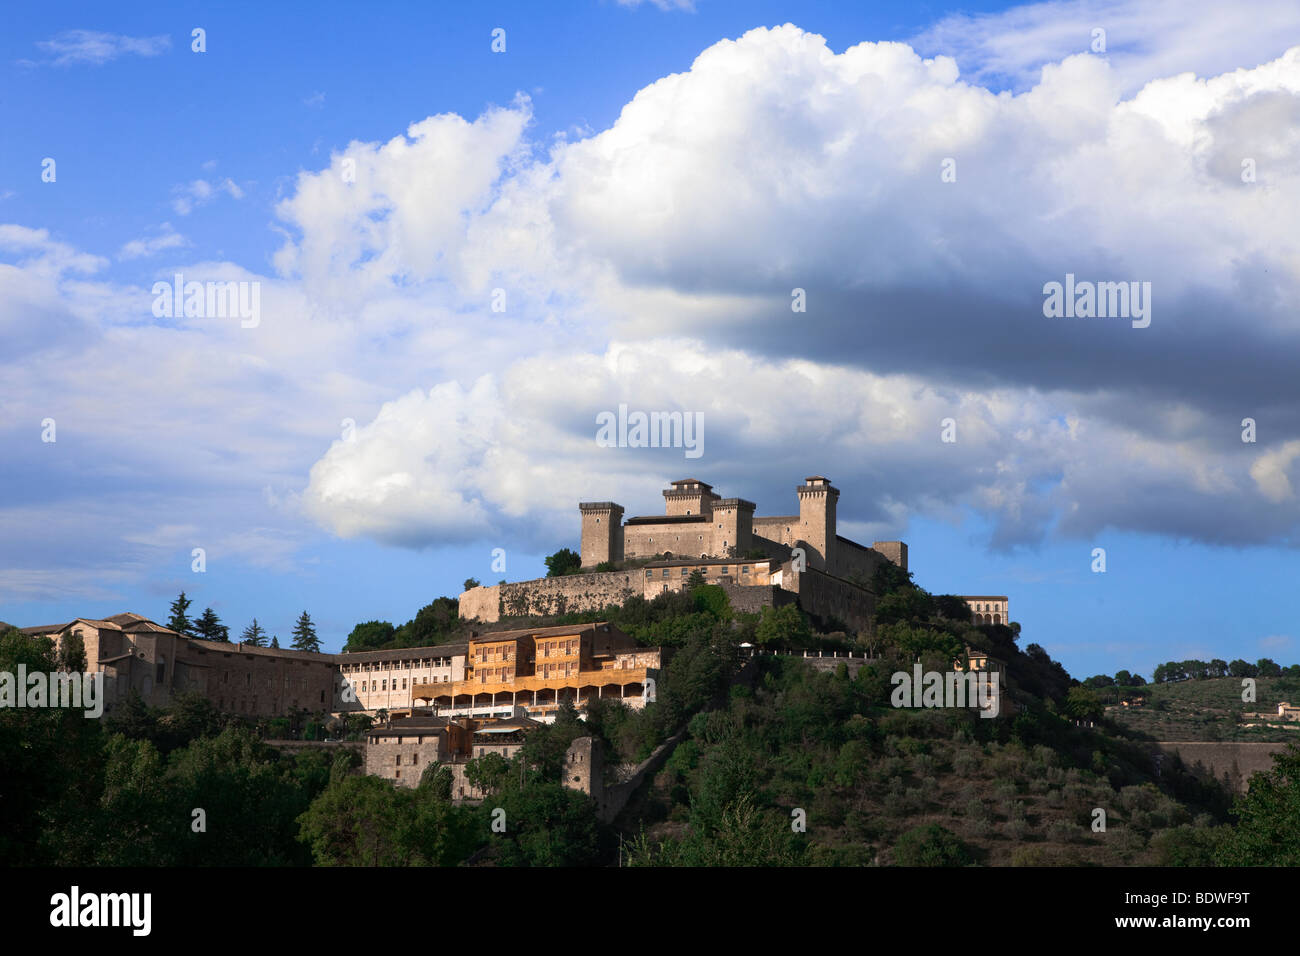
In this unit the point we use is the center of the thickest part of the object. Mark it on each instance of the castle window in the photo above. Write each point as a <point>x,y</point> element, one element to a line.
<point>649,574</point>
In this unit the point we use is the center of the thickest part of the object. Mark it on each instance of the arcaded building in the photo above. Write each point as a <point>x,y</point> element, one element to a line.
<point>988,609</point>
<point>532,671</point>
<point>385,680</point>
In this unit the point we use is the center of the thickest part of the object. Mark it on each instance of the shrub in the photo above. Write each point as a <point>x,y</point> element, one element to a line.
<point>931,845</point>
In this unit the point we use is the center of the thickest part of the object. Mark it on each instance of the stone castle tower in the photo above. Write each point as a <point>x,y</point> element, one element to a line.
<point>817,499</point>
<point>602,532</point>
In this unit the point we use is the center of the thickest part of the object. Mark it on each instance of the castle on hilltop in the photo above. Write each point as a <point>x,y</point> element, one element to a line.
<point>760,561</point>
<point>696,520</point>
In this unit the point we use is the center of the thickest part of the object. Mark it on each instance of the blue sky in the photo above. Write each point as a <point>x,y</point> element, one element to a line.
<point>648,183</point>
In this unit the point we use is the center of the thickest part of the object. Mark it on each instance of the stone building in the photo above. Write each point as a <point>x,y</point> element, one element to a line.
<point>401,750</point>
<point>698,523</point>
<point>137,654</point>
<point>384,680</point>
<point>988,609</point>
<point>763,561</point>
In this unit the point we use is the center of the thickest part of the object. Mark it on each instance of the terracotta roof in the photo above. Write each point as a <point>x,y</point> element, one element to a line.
<point>221,647</point>
<point>127,617</point>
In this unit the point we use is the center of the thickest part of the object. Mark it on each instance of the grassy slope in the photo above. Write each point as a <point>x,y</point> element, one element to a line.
<point>1207,710</point>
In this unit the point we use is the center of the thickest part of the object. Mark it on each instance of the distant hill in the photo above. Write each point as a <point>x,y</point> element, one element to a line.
<point>1209,710</point>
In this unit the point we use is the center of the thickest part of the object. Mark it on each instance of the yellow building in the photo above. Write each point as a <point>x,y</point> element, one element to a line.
<point>535,669</point>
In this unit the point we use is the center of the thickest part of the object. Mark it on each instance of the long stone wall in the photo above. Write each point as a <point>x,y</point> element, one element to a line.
<point>544,597</point>
<point>820,594</point>
<point>826,596</point>
<point>1234,760</point>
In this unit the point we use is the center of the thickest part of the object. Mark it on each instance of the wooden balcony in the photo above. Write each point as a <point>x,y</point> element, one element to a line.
<point>594,678</point>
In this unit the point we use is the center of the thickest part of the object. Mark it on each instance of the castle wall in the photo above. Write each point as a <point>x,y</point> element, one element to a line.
<point>752,600</point>
<point>687,539</point>
<point>854,562</point>
<point>818,593</point>
<point>895,551</point>
<point>544,597</point>
<point>783,529</point>
<point>825,596</point>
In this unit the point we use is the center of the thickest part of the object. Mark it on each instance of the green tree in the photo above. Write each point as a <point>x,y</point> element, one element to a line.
<point>180,621</point>
<point>488,772</point>
<point>254,634</point>
<point>1082,703</point>
<point>360,820</point>
<point>1268,817</point>
<point>1266,667</point>
<point>471,583</point>
<point>712,600</point>
<point>431,624</point>
<point>562,562</point>
<point>1240,668</point>
<point>304,635</point>
<point>275,642</point>
<point>208,627</point>
<point>782,627</point>
<point>906,604</point>
<point>357,821</point>
<point>547,824</point>
<point>369,636</point>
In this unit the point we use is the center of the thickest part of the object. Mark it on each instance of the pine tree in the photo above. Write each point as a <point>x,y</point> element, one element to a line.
<point>254,634</point>
<point>275,642</point>
<point>180,620</point>
<point>209,627</point>
<point>304,635</point>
